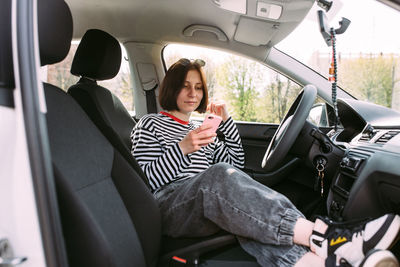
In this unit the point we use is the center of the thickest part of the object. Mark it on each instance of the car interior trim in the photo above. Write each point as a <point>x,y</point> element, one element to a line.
<point>36,134</point>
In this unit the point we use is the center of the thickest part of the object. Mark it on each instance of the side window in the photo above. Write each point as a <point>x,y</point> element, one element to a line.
<point>59,74</point>
<point>252,91</point>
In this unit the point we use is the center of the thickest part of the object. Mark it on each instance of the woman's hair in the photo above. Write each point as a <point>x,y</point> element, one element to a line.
<point>174,81</point>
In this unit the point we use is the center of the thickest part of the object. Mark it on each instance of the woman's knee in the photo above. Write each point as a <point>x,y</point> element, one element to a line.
<point>223,173</point>
<point>223,168</point>
<point>214,175</point>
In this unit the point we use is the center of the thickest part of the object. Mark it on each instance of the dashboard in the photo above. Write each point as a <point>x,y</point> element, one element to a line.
<point>367,182</point>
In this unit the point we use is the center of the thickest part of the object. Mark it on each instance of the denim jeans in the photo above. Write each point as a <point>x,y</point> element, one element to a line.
<point>223,197</point>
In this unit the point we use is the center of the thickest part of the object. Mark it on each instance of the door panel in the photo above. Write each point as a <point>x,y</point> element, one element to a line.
<point>293,179</point>
<point>255,139</point>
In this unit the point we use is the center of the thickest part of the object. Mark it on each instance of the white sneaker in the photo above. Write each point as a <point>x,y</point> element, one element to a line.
<point>374,258</point>
<point>379,258</point>
<point>352,240</point>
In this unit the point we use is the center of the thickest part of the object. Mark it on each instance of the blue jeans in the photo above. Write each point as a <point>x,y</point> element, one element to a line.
<point>223,197</point>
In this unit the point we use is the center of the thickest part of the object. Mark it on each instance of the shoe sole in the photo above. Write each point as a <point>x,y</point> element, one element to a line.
<point>391,235</point>
<point>382,258</point>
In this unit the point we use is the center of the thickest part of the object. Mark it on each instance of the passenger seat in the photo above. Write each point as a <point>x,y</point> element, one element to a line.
<point>109,217</point>
<point>98,58</point>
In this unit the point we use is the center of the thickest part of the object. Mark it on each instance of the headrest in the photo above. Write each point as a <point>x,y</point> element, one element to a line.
<point>98,56</point>
<point>6,61</point>
<point>55,30</point>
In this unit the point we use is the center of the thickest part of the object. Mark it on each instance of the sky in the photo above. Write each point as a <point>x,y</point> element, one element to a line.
<point>373,29</point>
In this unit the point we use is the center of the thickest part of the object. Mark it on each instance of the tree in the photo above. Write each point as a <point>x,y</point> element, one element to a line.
<point>370,78</point>
<point>236,77</point>
<point>278,95</point>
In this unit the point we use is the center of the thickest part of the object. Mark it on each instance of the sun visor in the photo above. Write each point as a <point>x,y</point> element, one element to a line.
<point>255,32</point>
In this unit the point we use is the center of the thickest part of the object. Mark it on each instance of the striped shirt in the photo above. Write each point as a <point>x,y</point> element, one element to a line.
<point>155,146</point>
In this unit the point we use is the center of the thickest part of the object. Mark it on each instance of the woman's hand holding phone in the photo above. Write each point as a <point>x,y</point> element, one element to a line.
<point>206,133</point>
<point>197,138</point>
<point>213,120</point>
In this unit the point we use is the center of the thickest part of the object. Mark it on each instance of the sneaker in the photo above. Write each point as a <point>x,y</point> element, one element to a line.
<point>374,258</point>
<point>379,258</point>
<point>334,261</point>
<point>352,240</point>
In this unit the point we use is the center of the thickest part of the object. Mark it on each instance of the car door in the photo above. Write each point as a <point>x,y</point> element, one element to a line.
<point>29,223</point>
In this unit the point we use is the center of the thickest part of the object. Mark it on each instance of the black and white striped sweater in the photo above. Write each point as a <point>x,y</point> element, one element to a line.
<point>155,146</point>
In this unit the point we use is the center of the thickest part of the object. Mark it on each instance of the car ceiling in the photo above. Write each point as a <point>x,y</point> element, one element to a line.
<point>162,22</point>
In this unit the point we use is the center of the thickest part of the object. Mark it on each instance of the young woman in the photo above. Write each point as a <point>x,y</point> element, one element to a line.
<point>197,181</point>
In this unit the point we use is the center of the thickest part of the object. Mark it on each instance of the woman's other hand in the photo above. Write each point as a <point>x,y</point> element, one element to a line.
<point>218,108</point>
<point>196,139</point>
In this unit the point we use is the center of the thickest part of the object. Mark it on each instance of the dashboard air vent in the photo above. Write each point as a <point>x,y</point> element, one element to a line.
<point>386,137</point>
<point>367,136</point>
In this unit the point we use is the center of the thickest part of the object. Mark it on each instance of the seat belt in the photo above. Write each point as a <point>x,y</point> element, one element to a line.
<point>151,102</point>
<point>149,81</point>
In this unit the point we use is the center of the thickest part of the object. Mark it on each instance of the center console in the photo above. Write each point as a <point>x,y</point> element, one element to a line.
<point>349,170</point>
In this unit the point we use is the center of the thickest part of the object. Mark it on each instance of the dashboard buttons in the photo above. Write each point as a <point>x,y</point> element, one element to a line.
<point>351,163</point>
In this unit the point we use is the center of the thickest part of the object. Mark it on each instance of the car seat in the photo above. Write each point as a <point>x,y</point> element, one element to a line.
<point>109,217</point>
<point>97,58</point>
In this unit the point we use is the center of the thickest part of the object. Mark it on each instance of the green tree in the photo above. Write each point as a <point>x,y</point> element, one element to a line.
<point>236,76</point>
<point>279,95</point>
<point>370,78</point>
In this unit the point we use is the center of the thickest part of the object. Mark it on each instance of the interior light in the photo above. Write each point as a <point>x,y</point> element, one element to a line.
<point>269,11</point>
<point>238,6</point>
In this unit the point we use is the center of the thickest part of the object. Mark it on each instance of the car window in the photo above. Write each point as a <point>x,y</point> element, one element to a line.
<point>252,91</point>
<point>59,74</point>
<point>368,53</point>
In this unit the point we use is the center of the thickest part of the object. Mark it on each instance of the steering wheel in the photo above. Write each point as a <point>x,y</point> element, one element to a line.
<point>289,129</point>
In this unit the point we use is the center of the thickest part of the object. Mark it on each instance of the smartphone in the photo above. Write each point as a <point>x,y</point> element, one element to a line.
<point>213,120</point>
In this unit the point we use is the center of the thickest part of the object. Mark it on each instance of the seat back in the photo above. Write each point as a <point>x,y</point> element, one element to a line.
<point>98,57</point>
<point>109,217</point>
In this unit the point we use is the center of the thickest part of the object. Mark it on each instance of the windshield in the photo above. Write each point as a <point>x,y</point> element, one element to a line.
<point>367,53</point>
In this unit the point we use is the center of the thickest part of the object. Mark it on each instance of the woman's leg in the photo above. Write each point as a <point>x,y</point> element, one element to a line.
<point>279,255</point>
<point>225,197</point>
<point>303,230</point>
<point>229,198</point>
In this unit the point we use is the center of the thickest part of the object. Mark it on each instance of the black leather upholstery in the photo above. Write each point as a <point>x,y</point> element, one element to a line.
<point>99,56</point>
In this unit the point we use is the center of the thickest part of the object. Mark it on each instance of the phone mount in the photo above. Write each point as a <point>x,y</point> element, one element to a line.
<point>329,35</point>
<point>327,31</point>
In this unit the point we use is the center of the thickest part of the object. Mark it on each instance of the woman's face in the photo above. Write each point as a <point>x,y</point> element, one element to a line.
<point>189,98</point>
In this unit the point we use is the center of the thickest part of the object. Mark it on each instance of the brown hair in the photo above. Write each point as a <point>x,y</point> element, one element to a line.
<point>173,83</point>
